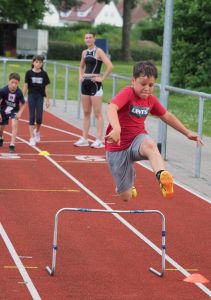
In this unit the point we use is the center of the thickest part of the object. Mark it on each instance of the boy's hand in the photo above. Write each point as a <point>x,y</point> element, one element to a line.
<point>18,115</point>
<point>113,137</point>
<point>193,136</point>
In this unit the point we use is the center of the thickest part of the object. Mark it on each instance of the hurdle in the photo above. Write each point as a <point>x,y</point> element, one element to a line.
<point>51,271</point>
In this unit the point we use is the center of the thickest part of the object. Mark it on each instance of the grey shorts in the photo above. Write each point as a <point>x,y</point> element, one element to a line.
<point>121,164</point>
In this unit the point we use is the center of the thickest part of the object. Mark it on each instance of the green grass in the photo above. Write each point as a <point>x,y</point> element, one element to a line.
<point>183,106</point>
<point>186,108</point>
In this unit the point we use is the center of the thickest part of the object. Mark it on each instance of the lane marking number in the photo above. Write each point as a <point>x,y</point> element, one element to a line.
<point>9,156</point>
<point>90,158</point>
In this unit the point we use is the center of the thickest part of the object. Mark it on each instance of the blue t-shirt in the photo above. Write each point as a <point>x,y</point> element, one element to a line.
<point>10,101</point>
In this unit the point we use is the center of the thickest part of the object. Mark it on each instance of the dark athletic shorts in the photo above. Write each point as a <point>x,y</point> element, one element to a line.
<point>90,88</point>
<point>5,118</point>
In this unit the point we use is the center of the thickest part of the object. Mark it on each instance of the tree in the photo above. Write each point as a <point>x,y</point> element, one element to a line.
<point>152,7</point>
<point>24,11</point>
<point>64,5</point>
<point>191,61</point>
<point>128,5</point>
<point>126,29</point>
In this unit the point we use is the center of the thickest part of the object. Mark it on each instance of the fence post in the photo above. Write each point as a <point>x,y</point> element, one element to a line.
<point>5,71</point>
<point>66,87</point>
<point>200,130</point>
<point>79,100</point>
<point>166,59</point>
<point>54,83</point>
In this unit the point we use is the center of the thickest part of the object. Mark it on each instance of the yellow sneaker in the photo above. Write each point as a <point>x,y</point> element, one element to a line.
<point>134,192</point>
<point>166,184</point>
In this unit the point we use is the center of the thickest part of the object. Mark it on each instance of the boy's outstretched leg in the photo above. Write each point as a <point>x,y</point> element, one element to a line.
<point>13,137</point>
<point>149,149</point>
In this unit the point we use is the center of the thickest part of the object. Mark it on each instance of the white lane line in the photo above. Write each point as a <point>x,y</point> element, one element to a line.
<point>206,199</point>
<point>126,223</point>
<point>47,141</point>
<point>60,130</point>
<point>120,218</point>
<point>27,280</point>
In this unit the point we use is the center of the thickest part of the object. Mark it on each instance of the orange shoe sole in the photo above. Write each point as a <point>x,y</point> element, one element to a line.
<point>166,184</point>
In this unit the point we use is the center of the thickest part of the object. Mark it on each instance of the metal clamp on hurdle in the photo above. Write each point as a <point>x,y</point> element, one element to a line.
<point>51,270</point>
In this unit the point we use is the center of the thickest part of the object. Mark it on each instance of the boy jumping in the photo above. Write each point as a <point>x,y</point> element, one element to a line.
<point>127,140</point>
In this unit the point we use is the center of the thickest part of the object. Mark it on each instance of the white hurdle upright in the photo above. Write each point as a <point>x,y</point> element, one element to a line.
<point>51,270</point>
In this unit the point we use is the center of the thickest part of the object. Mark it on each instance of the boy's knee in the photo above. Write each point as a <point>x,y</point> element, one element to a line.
<point>149,145</point>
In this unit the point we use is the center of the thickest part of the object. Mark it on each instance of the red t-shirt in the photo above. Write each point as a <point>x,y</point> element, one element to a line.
<point>132,113</point>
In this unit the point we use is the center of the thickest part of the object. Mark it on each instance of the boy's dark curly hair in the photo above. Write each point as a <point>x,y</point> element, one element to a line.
<point>15,76</point>
<point>145,68</point>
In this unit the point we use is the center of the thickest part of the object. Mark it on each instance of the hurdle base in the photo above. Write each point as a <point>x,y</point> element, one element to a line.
<point>49,270</point>
<point>160,274</point>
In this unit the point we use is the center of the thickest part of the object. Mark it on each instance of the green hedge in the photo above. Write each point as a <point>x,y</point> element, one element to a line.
<point>65,51</point>
<point>148,30</point>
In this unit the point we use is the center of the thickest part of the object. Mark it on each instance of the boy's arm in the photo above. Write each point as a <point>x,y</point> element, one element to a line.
<point>114,134</point>
<point>19,113</point>
<point>171,120</point>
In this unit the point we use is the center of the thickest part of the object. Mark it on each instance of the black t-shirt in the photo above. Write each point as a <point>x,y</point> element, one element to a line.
<point>10,101</point>
<point>37,82</point>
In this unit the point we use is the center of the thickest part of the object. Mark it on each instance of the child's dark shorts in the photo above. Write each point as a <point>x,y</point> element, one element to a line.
<point>121,164</point>
<point>90,88</point>
<point>5,118</point>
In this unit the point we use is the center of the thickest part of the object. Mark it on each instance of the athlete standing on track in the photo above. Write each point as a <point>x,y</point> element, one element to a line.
<point>92,89</point>
<point>10,99</point>
<point>128,141</point>
<point>36,82</point>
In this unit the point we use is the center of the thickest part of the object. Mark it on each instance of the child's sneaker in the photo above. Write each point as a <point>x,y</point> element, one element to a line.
<point>166,184</point>
<point>97,144</point>
<point>1,142</point>
<point>134,192</point>
<point>82,142</point>
<point>11,148</point>
<point>36,136</point>
<point>32,142</point>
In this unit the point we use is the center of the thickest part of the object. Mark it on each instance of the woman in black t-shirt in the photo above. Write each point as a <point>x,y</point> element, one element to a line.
<point>36,82</point>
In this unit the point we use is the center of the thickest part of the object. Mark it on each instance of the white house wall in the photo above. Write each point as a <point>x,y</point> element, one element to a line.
<point>109,15</point>
<point>51,18</point>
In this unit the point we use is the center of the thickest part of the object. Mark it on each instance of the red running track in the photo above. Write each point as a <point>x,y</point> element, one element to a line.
<point>98,257</point>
